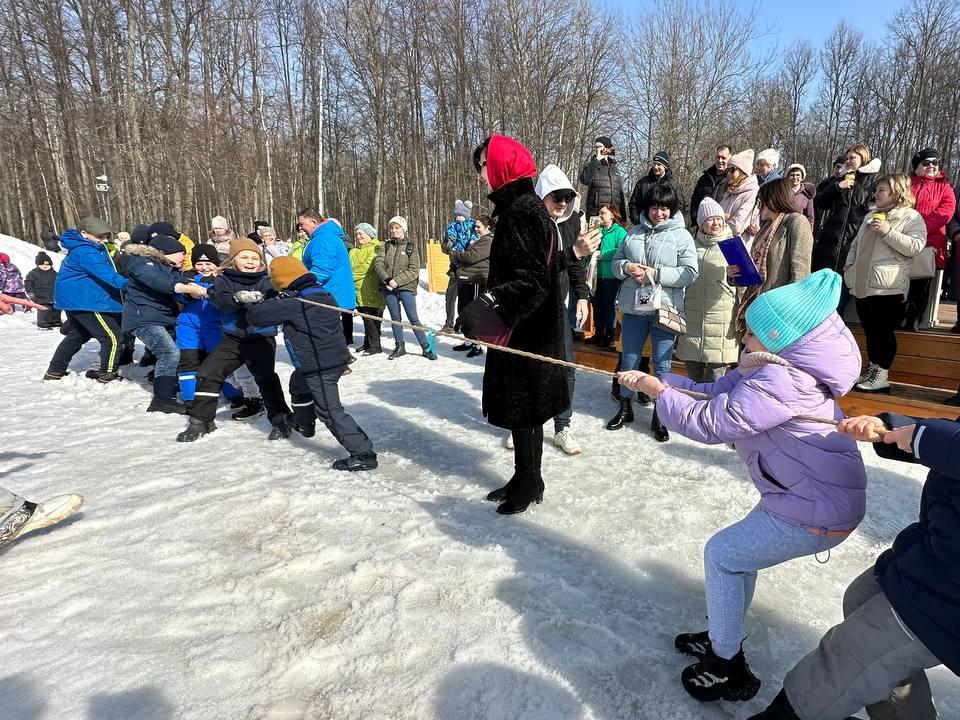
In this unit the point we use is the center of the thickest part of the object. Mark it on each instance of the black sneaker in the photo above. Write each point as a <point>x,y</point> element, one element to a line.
<point>355,463</point>
<point>462,347</point>
<point>281,427</point>
<point>307,431</point>
<point>196,430</point>
<point>170,407</point>
<point>713,678</point>
<point>693,644</point>
<point>252,407</point>
<point>474,351</point>
<point>237,402</point>
<point>51,375</point>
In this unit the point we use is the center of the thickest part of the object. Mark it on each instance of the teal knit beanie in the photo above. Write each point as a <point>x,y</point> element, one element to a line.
<point>781,316</point>
<point>368,229</point>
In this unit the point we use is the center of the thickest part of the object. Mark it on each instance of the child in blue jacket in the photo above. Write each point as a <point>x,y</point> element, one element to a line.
<point>318,351</point>
<point>150,311</point>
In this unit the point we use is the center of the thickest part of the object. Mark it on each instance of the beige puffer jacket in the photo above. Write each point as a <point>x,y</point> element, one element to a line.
<point>710,307</point>
<point>880,265</point>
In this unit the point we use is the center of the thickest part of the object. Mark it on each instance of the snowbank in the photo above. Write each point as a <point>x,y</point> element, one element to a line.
<point>23,254</point>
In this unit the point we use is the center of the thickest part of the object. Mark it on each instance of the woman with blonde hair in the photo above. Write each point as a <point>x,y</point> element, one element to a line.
<point>878,273</point>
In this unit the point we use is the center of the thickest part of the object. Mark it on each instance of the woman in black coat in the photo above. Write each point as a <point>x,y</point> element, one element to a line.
<point>522,309</point>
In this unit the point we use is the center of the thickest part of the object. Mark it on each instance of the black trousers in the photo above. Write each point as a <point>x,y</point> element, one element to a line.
<point>85,326</point>
<point>880,316</point>
<point>467,292</point>
<point>316,395</point>
<point>258,353</point>
<point>917,299</point>
<point>48,318</point>
<point>371,328</point>
<point>347,320</point>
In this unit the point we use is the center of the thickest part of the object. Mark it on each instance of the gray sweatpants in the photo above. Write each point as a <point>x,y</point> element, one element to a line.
<point>869,660</point>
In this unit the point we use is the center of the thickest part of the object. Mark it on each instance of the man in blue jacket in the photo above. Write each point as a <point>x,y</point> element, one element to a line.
<point>902,616</point>
<point>326,257</point>
<point>88,289</point>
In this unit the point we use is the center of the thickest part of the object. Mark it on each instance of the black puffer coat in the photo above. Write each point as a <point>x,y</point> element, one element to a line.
<point>843,212</point>
<point>604,186</point>
<point>517,392</point>
<point>642,189</point>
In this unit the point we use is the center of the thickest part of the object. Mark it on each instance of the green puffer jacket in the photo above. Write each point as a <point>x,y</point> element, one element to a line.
<point>710,307</point>
<point>610,241</point>
<point>365,280</point>
<point>398,260</point>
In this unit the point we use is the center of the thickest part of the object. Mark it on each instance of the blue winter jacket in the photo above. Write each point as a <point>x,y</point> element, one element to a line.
<point>326,257</point>
<point>199,313</point>
<point>313,335</point>
<point>459,236</point>
<point>150,298</point>
<point>920,574</point>
<point>88,280</point>
<point>233,315</point>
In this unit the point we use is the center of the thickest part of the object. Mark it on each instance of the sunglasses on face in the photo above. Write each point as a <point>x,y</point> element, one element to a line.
<point>562,196</point>
<point>930,163</point>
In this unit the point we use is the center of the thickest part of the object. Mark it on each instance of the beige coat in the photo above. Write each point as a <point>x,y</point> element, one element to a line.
<point>710,305</point>
<point>880,264</point>
<point>788,258</point>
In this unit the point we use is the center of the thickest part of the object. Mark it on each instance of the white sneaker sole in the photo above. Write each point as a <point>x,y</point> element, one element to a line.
<point>51,511</point>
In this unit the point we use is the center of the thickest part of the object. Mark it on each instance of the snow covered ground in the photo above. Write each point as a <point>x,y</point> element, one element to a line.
<point>239,579</point>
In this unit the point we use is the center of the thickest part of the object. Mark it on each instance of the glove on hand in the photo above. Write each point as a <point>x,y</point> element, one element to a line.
<point>248,296</point>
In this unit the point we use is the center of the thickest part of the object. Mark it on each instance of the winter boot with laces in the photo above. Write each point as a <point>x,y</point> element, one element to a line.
<point>877,381</point>
<point>196,429</point>
<point>24,516</point>
<point>282,427</point>
<point>713,678</point>
<point>693,644</point>
<point>252,407</point>
<point>53,375</point>
<point>357,463</point>
<point>624,415</point>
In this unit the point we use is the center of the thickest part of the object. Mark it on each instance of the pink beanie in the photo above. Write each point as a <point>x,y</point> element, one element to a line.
<point>708,209</point>
<point>743,161</point>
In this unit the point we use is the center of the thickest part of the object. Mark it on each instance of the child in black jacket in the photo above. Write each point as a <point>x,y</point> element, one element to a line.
<point>242,282</point>
<point>39,286</point>
<point>318,350</point>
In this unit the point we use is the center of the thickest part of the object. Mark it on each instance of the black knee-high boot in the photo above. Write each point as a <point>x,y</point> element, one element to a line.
<point>527,484</point>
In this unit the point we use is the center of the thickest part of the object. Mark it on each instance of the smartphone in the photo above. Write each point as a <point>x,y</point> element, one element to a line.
<point>593,222</point>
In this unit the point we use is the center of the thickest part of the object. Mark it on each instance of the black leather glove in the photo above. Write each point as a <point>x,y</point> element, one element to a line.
<point>476,314</point>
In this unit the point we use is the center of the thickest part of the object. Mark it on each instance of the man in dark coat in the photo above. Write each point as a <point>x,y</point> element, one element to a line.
<point>524,301</point>
<point>821,215</point>
<point>603,180</point>
<point>659,173</point>
<point>902,616</point>
<point>712,184</point>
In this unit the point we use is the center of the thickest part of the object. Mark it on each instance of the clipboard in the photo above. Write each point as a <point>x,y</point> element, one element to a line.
<point>735,253</point>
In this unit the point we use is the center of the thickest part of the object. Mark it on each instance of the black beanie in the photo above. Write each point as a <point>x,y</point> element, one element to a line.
<point>925,154</point>
<point>205,252</point>
<point>140,235</point>
<point>163,228</point>
<point>605,141</point>
<point>166,244</point>
<point>41,258</point>
<point>662,157</point>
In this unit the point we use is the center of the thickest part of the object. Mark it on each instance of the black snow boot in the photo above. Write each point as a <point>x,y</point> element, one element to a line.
<point>660,433</point>
<point>196,429</point>
<point>237,402</point>
<point>252,407</point>
<point>308,430</point>
<point>356,463</point>
<point>282,427</point>
<point>713,678</point>
<point>399,351</point>
<point>165,397</point>
<point>624,415</point>
<point>693,644</point>
<point>500,494</point>
<point>526,486</point>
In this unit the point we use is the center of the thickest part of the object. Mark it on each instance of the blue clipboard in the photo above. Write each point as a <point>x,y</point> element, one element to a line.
<point>735,253</point>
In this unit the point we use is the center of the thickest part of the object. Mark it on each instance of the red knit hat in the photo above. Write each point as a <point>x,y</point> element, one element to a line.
<point>508,160</point>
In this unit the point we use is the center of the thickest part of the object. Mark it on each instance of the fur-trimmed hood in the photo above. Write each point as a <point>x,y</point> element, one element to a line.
<point>147,251</point>
<point>871,167</point>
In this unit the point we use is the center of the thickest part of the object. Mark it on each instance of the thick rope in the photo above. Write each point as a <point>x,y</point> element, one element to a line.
<point>522,353</point>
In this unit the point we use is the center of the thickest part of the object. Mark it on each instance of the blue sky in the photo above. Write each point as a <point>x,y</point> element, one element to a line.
<point>814,20</point>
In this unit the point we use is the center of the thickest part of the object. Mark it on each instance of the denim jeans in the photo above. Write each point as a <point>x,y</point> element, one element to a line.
<point>394,298</point>
<point>731,559</point>
<point>633,336</point>
<point>159,341</point>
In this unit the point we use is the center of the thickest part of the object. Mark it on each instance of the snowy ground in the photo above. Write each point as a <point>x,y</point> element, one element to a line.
<point>239,579</point>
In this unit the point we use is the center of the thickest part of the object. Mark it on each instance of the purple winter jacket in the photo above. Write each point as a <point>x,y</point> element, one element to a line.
<point>808,475</point>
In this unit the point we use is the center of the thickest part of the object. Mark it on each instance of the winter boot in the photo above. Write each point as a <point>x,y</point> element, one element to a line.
<point>463,347</point>
<point>371,351</point>
<point>196,429</point>
<point>356,463</point>
<point>500,494</point>
<point>429,354</point>
<point>564,440</point>
<point>660,433</point>
<point>524,491</point>
<point>52,375</point>
<point>624,415</point>
<point>866,373</point>
<point>103,377</point>
<point>399,351</point>
<point>693,644</point>
<point>25,516</point>
<point>877,381</point>
<point>252,407</point>
<point>165,397</point>
<point>307,430</point>
<point>238,402</point>
<point>282,427</point>
<point>713,678</point>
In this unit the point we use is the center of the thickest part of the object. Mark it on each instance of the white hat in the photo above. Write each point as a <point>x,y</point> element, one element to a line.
<point>219,222</point>
<point>801,168</point>
<point>770,156</point>
<point>399,220</point>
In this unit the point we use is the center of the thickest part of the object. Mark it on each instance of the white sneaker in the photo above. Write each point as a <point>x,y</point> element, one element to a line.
<point>866,373</point>
<point>877,382</point>
<point>26,516</point>
<point>508,443</point>
<point>566,442</point>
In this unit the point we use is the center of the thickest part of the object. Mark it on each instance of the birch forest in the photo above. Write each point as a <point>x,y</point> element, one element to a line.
<point>368,108</point>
